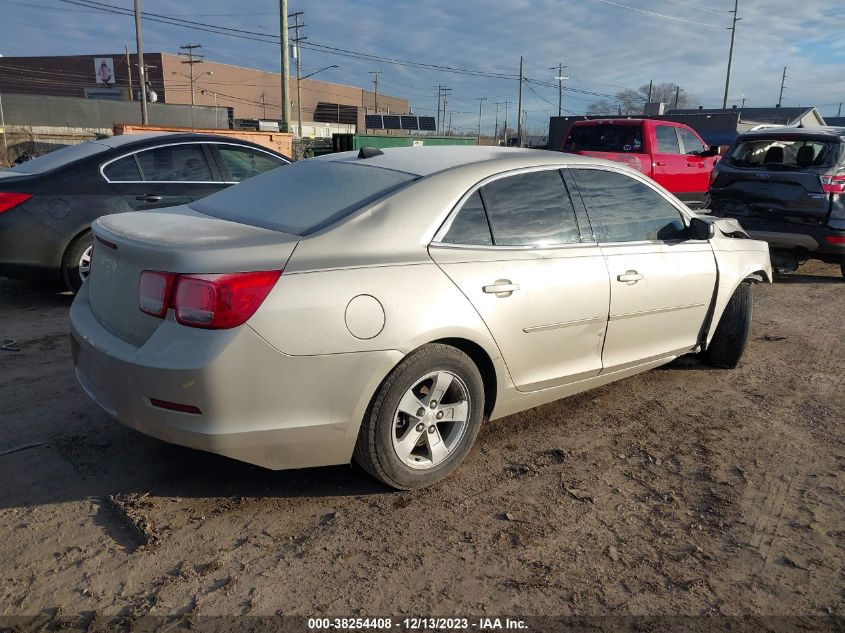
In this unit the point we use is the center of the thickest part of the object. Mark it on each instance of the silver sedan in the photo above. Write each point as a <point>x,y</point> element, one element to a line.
<point>378,306</point>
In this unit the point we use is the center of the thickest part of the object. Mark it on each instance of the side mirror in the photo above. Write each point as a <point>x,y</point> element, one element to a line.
<point>701,229</point>
<point>713,150</point>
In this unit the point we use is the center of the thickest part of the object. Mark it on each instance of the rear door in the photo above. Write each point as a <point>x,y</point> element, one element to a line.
<point>541,290</point>
<point>670,164</point>
<point>661,282</point>
<point>164,176</point>
<point>776,178</point>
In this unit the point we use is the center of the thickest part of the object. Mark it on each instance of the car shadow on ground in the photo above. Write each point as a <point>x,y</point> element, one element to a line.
<point>801,278</point>
<point>33,295</point>
<point>102,458</point>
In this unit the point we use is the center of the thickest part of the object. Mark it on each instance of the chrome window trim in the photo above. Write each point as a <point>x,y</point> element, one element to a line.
<point>174,182</point>
<point>447,223</point>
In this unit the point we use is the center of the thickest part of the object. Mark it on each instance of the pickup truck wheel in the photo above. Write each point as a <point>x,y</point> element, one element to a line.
<point>733,330</point>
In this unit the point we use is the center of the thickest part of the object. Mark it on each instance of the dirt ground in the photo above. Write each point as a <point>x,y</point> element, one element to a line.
<point>685,490</point>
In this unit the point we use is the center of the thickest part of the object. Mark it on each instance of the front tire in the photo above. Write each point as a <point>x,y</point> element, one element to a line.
<point>76,263</point>
<point>733,331</point>
<point>423,420</point>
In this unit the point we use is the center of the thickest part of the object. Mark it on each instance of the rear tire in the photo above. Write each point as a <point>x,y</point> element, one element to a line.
<point>733,331</point>
<point>76,263</point>
<point>391,445</point>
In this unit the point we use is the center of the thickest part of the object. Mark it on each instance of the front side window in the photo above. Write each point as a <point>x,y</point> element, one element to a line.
<point>691,143</point>
<point>531,209</point>
<point>123,170</point>
<point>667,140</point>
<point>623,209</point>
<point>246,162</point>
<point>175,163</point>
<point>470,224</point>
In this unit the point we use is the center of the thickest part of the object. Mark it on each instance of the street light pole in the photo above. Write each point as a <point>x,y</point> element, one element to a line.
<point>560,79</point>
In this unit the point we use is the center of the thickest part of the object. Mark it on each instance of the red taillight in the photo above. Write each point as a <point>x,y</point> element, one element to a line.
<point>175,406</point>
<point>218,301</point>
<point>154,290</point>
<point>713,175</point>
<point>833,184</point>
<point>835,239</point>
<point>11,200</point>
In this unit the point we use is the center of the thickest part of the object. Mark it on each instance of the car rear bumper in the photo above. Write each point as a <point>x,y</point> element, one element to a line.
<point>256,404</point>
<point>810,239</point>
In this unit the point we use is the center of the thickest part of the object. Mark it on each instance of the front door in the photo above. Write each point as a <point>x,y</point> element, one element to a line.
<point>661,282</point>
<point>541,291</point>
<point>670,165</point>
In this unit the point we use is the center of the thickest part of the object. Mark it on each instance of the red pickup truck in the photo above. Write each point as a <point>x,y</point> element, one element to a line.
<point>670,153</point>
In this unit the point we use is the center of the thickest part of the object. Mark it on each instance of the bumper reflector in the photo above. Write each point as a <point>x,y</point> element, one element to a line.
<point>175,406</point>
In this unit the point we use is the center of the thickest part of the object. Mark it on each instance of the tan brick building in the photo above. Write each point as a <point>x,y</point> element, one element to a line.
<point>250,93</point>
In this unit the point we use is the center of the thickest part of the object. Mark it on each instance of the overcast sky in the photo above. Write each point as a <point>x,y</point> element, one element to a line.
<point>607,45</point>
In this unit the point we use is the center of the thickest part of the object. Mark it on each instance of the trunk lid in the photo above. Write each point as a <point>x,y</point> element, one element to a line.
<point>178,240</point>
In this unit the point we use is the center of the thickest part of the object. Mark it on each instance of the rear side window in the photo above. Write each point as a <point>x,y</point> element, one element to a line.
<point>667,140</point>
<point>691,143</point>
<point>303,197</point>
<point>605,138</point>
<point>784,153</point>
<point>175,163</point>
<point>531,209</point>
<point>470,224</point>
<point>246,162</point>
<point>622,209</point>
<point>123,170</point>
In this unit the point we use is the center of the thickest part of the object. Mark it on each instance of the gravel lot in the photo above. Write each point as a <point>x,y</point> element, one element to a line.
<point>685,490</point>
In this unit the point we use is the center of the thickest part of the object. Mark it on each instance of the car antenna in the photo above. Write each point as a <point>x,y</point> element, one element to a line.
<point>369,152</point>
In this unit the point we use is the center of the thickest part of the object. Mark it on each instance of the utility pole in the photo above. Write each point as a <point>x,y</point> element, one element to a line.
<point>296,40</point>
<point>782,82</point>
<point>439,92</point>
<point>650,87</point>
<point>375,74</point>
<point>446,92</point>
<point>519,107</point>
<point>505,126</point>
<point>743,104</point>
<point>677,95</point>
<point>839,111</point>
<point>732,29</point>
<point>481,101</point>
<point>192,59</point>
<point>285,72</point>
<point>142,73</point>
<point>129,72</point>
<point>496,126</point>
<point>449,130</point>
<point>560,79</point>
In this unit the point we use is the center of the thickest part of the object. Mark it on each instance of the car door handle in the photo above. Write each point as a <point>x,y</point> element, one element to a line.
<point>630,277</point>
<point>148,197</point>
<point>501,288</point>
<point>660,163</point>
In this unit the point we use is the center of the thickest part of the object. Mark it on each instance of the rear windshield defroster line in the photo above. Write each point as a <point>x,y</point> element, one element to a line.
<point>304,197</point>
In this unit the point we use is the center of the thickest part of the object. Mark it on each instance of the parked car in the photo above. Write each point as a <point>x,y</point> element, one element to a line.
<point>787,186</point>
<point>670,153</point>
<point>396,299</point>
<point>48,203</point>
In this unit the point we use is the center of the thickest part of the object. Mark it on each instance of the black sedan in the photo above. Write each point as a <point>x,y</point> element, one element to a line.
<point>47,204</point>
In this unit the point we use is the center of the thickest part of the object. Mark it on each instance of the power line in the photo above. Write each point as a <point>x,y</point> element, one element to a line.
<point>660,15</point>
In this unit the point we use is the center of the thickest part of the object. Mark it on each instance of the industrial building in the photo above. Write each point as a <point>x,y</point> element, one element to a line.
<point>238,93</point>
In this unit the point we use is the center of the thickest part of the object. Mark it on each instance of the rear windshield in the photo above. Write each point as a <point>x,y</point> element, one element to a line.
<point>784,153</point>
<point>59,158</point>
<point>303,197</point>
<point>605,138</point>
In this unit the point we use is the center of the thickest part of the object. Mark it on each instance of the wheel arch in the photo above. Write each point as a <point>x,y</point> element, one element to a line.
<point>726,290</point>
<point>483,362</point>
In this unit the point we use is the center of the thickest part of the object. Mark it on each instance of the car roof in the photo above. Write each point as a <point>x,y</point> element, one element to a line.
<point>829,131</point>
<point>427,160</point>
<point>124,140</point>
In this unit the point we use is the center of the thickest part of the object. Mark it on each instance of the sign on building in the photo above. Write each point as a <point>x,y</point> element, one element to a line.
<point>104,70</point>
